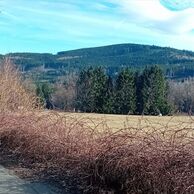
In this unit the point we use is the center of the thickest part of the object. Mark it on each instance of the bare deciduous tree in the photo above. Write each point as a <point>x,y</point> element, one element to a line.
<point>181,95</point>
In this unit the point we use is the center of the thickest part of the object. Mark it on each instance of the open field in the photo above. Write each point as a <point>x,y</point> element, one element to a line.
<point>165,126</point>
<point>117,122</point>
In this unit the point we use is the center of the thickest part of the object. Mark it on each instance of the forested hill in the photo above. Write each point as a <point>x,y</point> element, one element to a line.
<point>176,63</point>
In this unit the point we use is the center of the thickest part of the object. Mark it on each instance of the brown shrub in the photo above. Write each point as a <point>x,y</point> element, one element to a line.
<point>13,95</point>
<point>127,161</point>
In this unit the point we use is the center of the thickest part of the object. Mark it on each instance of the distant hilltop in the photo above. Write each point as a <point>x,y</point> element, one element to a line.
<point>175,63</point>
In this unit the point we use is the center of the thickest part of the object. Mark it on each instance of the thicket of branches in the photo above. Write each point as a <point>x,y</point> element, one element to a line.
<point>181,95</point>
<point>83,159</point>
<point>13,94</point>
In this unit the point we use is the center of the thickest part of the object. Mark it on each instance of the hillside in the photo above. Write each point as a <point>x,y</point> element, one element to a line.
<point>176,63</point>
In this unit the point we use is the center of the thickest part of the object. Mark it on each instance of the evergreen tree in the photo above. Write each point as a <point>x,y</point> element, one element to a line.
<point>108,105</point>
<point>91,90</point>
<point>154,98</point>
<point>98,90</point>
<point>125,97</point>
<point>83,91</point>
<point>44,92</point>
<point>139,99</point>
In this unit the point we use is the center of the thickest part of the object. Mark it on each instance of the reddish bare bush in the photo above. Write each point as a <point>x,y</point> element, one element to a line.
<point>126,161</point>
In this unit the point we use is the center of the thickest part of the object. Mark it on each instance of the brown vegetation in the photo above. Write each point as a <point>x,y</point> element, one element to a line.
<point>126,161</point>
<point>13,95</point>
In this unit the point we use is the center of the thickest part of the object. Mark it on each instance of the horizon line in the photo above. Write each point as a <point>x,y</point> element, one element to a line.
<point>92,47</point>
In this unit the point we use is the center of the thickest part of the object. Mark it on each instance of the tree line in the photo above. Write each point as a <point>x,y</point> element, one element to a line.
<point>128,93</point>
<point>94,90</point>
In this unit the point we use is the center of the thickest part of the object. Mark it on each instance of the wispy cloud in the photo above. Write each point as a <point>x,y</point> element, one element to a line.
<point>51,26</point>
<point>154,15</point>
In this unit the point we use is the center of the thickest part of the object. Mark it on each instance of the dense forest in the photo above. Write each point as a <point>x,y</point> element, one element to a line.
<point>129,93</point>
<point>50,67</point>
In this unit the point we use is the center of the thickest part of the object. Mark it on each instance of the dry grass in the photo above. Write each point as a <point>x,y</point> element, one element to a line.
<point>117,122</point>
<point>95,153</point>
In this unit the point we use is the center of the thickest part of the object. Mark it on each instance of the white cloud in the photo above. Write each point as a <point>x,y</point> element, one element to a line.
<point>152,14</point>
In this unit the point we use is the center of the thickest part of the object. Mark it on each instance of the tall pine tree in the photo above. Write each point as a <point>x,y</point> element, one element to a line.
<point>83,96</point>
<point>108,105</point>
<point>98,90</point>
<point>153,92</point>
<point>91,90</point>
<point>125,96</point>
<point>139,99</point>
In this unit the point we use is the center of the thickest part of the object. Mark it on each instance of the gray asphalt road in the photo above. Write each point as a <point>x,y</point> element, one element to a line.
<point>11,184</point>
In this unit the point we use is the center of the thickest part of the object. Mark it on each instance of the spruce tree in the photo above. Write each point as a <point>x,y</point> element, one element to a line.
<point>83,91</point>
<point>125,95</point>
<point>98,90</point>
<point>139,99</point>
<point>154,98</point>
<point>91,89</point>
<point>108,105</point>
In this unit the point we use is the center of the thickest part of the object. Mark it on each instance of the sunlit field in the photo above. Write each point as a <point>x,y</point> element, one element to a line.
<point>118,122</point>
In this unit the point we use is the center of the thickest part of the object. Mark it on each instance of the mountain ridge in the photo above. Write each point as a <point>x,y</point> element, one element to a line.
<point>176,63</point>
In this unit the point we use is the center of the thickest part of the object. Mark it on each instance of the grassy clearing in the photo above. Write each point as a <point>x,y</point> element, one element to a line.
<point>167,126</point>
<point>116,122</point>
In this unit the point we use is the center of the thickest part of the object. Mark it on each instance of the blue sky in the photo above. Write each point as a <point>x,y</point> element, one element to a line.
<point>57,25</point>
